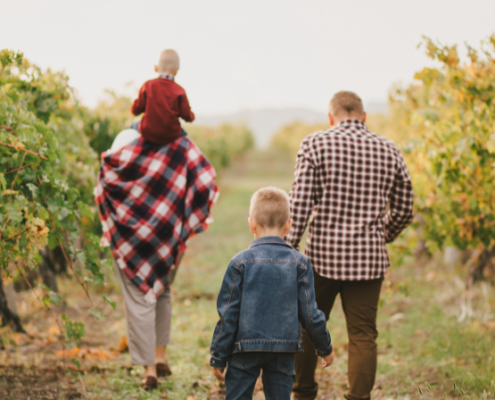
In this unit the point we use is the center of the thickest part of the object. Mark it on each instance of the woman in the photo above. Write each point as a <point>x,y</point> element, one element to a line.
<point>151,199</point>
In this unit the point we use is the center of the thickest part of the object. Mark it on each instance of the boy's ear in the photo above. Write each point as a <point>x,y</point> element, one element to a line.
<point>156,68</point>
<point>252,225</point>
<point>287,226</point>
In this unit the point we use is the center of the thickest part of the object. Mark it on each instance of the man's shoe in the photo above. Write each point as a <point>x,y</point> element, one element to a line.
<point>149,383</point>
<point>163,370</point>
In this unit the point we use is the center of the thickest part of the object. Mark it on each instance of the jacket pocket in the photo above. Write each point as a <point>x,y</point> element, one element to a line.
<point>285,363</point>
<point>244,360</point>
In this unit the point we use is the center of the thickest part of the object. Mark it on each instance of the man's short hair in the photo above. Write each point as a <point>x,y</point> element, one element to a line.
<point>270,207</point>
<point>346,103</point>
<point>168,61</point>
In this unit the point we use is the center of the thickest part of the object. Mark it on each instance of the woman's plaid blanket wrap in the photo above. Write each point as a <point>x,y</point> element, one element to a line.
<point>151,199</point>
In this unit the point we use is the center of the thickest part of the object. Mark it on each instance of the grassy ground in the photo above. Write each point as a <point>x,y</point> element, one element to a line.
<point>422,346</point>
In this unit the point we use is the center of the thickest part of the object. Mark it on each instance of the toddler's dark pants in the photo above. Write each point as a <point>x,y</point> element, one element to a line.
<point>360,305</point>
<point>244,369</point>
<point>135,125</point>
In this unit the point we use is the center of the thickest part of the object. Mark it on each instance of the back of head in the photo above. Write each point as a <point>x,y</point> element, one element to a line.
<point>346,104</point>
<point>270,207</point>
<point>168,61</point>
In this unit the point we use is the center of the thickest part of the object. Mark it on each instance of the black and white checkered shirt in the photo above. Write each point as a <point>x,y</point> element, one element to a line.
<point>353,188</point>
<point>167,76</point>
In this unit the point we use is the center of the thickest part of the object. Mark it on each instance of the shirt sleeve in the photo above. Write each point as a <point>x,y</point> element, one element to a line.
<point>185,111</point>
<point>400,212</point>
<point>301,195</point>
<point>228,306</point>
<point>139,105</point>
<point>312,319</point>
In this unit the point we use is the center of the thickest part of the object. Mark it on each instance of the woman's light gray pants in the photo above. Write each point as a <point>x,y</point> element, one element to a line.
<point>148,325</point>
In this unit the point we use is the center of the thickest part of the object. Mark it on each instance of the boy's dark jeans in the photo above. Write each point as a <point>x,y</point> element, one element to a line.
<point>244,369</point>
<point>360,304</point>
<point>135,125</point>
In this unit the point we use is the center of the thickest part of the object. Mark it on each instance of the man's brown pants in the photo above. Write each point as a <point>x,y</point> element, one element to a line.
<point>360,305</point>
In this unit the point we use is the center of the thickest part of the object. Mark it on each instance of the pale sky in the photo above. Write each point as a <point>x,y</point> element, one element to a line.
<point>241,54</point>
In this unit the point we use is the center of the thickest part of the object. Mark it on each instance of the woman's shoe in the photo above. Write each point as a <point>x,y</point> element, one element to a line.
<point>163,370</point>
<point>149,383</point>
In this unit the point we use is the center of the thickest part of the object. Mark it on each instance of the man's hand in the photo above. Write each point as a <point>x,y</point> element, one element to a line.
<point>219,374</point>
<point>328,360</point>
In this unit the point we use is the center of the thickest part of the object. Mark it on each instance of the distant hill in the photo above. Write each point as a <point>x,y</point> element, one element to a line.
<point>265,122</point>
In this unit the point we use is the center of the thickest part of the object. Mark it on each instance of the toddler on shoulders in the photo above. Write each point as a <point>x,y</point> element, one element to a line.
<point>163,102</point>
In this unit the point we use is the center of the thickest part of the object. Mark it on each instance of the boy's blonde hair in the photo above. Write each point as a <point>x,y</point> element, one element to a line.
<point>168,61</point>
<point>270,207</point>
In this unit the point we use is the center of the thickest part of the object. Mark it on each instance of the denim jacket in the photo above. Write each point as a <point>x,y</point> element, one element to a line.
<point>266,295</point>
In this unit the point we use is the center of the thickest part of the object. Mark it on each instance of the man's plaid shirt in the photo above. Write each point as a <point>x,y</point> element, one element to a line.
<point>353,188</point>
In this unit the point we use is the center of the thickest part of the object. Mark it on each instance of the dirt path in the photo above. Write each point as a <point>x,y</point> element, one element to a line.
<point>420,343</point>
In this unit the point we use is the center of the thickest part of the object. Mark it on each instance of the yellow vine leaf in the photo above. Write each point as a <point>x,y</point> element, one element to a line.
<point>490,145</point>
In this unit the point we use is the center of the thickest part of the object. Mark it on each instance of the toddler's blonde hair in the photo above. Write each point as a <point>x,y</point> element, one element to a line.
<point>270,207</point>
<point>168,61</point>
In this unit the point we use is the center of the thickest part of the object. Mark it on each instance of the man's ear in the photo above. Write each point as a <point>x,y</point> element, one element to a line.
<point>331,119</point>
<point>156,68</point>
<point>363,118</point>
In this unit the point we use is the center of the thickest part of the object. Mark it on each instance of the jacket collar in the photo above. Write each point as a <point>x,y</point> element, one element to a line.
<point>269,240</point>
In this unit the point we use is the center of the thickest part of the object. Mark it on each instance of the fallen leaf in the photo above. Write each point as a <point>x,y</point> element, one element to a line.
<point>490,324</point>
<point>397,317</point>
<point>123,346</point>
<point>54,331</point>
<point>431,276</point>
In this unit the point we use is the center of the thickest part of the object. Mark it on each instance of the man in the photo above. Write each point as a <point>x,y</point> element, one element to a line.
<point>354,189</point>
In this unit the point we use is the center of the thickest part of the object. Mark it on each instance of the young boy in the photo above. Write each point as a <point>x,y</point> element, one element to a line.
<point>163,102</point>
<point>266,295</point>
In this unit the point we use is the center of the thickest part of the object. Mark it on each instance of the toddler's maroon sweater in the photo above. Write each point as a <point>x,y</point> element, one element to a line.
<point>163,102</point>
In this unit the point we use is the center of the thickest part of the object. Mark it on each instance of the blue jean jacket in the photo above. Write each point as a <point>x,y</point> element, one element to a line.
<point>266,295</point>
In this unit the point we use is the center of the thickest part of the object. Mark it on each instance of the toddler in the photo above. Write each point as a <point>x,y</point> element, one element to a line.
<point>163,102</point>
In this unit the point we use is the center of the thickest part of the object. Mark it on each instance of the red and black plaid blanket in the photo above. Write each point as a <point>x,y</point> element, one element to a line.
<point>151,199</point>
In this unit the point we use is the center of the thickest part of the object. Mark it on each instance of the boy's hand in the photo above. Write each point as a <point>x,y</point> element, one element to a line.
<point>328,360</point>
<point>219,374</point>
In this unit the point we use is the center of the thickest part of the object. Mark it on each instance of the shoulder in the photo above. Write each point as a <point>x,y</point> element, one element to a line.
<point>151,82</point>
<point>300,257</point>
<point>178,88</point>
<point>386,143</point>
<point>313,138</point>
<point>316,141</point>
<point>243,256</point>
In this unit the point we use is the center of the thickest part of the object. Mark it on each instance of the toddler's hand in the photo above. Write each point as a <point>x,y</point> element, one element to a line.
<point>219,374</point>
<point>328,360</point>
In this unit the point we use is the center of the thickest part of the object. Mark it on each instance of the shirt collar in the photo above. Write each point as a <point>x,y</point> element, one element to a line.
<point>349,123</point>
<point>269,240</point>
<point>167,76</point>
